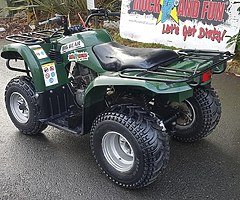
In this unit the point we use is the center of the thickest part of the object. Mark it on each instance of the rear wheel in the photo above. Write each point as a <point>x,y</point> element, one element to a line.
<point>200,114</point>
<point>129,145</point>
<point>21,104</point>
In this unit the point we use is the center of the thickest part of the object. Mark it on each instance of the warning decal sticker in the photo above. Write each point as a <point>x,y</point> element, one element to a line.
<point>50,74</point>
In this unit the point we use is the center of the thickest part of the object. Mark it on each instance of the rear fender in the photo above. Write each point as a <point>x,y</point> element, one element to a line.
<point>102,82</point>
<point>94,102</point>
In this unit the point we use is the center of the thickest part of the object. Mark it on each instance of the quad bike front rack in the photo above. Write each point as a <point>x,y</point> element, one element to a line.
<point>190,65</point>
<point>34,38</point>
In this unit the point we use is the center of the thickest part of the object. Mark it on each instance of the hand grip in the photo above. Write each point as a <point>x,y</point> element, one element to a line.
<point>51,20</point>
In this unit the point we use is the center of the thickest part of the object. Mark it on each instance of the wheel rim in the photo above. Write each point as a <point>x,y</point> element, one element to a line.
<point>188,115</point>
<point>118,151</point>
<point>19,107</point>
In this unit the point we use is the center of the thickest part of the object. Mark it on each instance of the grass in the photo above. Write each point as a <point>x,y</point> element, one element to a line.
<point>116,36</point>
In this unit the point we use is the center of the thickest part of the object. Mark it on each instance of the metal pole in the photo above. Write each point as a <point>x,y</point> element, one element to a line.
<point>90,4</point>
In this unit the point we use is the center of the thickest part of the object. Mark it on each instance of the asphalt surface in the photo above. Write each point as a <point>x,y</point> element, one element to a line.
<point>58,165</point>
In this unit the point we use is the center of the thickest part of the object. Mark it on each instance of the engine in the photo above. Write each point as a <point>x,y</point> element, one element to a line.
<point>82,77</point>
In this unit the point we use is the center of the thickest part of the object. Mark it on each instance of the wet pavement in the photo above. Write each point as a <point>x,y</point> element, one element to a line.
<point>58,165</point>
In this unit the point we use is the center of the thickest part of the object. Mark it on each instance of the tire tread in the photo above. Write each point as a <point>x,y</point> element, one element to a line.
<point>146,131</point>
<point>26,84</point>
<point>210,106</point>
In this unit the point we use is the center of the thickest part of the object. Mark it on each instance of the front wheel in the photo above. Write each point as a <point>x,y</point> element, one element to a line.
<point>129,145</point>
<point>200,114</point>
<point>22,107</point>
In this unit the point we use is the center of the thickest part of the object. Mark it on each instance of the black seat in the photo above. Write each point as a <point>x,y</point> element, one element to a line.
<point>115,57</point>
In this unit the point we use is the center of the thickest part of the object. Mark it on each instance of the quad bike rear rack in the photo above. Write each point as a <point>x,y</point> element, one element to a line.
<point>190,65</point>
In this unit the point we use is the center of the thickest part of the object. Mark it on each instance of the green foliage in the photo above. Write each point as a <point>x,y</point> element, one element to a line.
<point>17,5</point>
<point>64,7</point>
<point>233,39</point>
<point>113,5</point>
<point>116,36</point>
<point>60,6</point>
<point>49,6</point>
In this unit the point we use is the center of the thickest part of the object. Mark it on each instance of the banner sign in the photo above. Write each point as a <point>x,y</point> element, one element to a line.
<point>195,24</point>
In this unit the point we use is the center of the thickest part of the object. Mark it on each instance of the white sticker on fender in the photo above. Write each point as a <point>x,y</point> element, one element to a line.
<point>40,53</point>
<point>50,74</point>
<point>72,46</point>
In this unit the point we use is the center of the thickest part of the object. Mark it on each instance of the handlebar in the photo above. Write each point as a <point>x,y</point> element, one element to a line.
<point>62,20</point>
<point>101,13</point>
<point>57,19</point>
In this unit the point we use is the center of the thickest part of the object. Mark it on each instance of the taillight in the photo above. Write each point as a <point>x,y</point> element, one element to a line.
<point>206,76</point>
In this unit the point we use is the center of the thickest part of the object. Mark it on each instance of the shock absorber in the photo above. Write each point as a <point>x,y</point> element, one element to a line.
<point>170,122</point>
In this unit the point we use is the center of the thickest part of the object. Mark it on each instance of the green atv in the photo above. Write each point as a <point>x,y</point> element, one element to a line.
<point>129,99</point>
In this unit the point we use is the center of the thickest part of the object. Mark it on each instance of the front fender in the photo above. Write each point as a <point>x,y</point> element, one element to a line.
<point>96,90</point>
<point>21,51</point>
<point>35,64</point>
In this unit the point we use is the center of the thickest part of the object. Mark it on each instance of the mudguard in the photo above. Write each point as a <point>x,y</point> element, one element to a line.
<point>35,64</point>
<point>95,91</point>
<point>23,52</point>
<point>94,101</point>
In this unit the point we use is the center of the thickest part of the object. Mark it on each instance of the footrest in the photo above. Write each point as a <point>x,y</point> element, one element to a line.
<point>69,123</point>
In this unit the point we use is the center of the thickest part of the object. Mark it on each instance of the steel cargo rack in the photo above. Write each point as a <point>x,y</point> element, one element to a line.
<point>34,38</point>
<point>190,65</point>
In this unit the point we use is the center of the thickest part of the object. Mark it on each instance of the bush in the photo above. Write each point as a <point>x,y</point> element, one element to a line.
<point>63,7</point>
